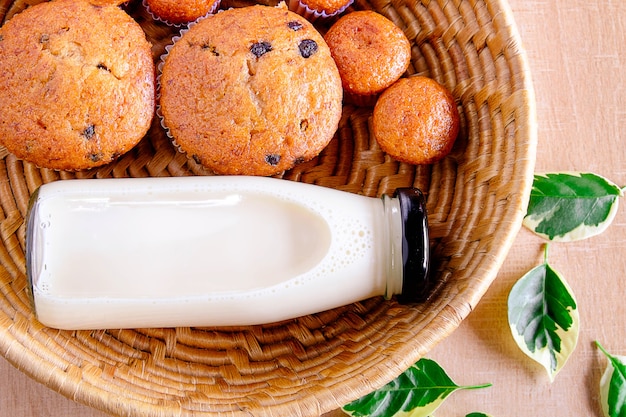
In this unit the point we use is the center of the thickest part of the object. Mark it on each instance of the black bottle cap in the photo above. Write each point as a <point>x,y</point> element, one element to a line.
<point>415,246</point>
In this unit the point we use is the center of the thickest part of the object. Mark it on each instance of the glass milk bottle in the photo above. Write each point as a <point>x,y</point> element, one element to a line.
<point>216,251</point>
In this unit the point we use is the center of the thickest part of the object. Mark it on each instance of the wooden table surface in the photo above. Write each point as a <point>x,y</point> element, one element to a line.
<point>577,55</point>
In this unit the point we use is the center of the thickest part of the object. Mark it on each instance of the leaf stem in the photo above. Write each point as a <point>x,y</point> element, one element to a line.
<point>608,355</point>
<point>545,253</point>
<point>480,386</point>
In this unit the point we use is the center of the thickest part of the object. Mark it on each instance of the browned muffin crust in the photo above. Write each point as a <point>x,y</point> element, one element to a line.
<point>416,120</point>
<point>371,52</point>
<point>323,7</point>
<point>77,84</point>
<point>256,103</point>
<point>181,11</point>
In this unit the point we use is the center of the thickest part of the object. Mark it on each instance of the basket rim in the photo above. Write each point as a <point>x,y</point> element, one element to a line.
<point>14,343</point>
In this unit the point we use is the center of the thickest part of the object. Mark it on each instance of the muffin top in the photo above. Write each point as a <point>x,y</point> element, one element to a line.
<point>180,11</point>
<point>371,52</point>
<point>256,103</point>
<point>76,84</point>
<point>416,120</point>
<point>329,7</point>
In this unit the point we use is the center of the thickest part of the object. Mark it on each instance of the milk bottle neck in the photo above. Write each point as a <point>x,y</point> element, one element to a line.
<point>408,254</point>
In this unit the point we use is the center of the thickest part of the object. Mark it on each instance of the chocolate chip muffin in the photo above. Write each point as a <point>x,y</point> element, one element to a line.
<point>416,120</point>
<point>252,104</point>
<point>77,85</point>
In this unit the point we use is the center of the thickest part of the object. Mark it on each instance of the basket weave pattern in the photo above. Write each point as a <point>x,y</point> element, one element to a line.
<point>307,366</point>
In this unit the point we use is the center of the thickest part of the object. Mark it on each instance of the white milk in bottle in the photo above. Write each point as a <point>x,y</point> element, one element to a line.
<point>216,251</point>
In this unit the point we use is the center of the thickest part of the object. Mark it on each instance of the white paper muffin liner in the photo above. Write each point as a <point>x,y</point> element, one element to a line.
<point>160,65</point>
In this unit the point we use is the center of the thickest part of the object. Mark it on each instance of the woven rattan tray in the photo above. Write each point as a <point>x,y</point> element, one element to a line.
<point>311,365</point>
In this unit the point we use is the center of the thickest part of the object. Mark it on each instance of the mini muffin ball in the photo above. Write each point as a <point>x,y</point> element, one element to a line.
<point>371,53</point>
<point>416,120</point>
<point>77,84</point>
<point>252,104</point>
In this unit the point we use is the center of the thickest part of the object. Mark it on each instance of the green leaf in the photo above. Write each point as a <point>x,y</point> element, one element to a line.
<point>417,392</point>
<point>477,415</point>
<point>613,385</point>
<point>543,317</point>
<point>567,207</point>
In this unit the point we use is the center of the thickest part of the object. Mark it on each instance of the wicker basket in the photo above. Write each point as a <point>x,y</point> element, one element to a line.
<point>314,364</point>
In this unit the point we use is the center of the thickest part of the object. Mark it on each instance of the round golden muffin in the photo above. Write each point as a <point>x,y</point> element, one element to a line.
<point>256,103</point>
<point>371,53</point>
<point>416,120</point>
<point>77,84</point>
<point>177,12</point>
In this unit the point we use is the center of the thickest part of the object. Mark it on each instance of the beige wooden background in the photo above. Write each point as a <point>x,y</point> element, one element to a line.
<point>577,54</point>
